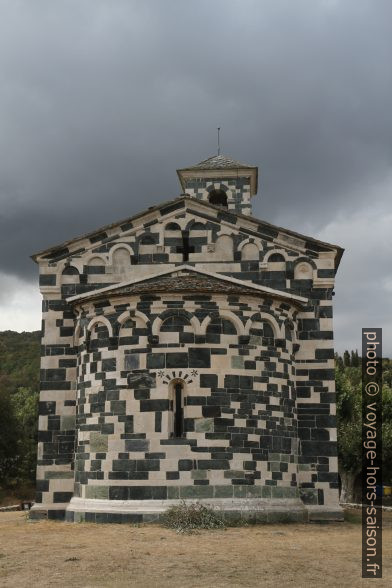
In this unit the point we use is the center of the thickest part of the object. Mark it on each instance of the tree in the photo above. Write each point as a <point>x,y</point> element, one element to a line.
<point>349,425</point>
<point>25,409</point>
<point>19,386</point>
<point>387,434</point>
<point>346,359</point>
<point>339,362</point>
<point>355,360</point>
<point>9,435</point>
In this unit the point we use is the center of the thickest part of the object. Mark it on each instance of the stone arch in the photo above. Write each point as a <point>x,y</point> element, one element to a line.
<point>176,327</point>
<point>147,239</point>
<point>217,186</point>
<point>224,323</point>
<point>104,321</point>
<point>267,318</point>
<point>172,227</point>
<point>118,251</point>
<point>218,197</point>
<point>96,260</point>
<point>250,252</point>
<point>224,248</point>
<point>273,252</point>
<point>133,330</point>
<point>70,275</point>
<point>194,225</point>
<point>156,326</point>
<point>172,235</point>
<point>121,260</point>
<point>99,331</point>
<point>233,318</point>
<point>242,244</point>
<point>303,269</point>
<point>277,258</point>
<point>197,236</point>
<point>147,244</point>
<point>130,314</point>
<point>175,318</point>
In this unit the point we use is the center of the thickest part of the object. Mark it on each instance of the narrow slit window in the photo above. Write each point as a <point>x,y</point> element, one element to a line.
<point>178,411</point>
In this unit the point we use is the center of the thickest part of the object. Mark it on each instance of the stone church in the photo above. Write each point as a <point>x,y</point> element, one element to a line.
<point>187,354</point>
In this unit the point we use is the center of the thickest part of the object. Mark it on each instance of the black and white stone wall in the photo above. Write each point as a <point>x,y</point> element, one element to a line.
<point>236,191</point>
<point>237,374</point>
<point>256,370</point>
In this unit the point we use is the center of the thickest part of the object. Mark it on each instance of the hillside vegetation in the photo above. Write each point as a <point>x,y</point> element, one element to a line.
<point>19,389</point>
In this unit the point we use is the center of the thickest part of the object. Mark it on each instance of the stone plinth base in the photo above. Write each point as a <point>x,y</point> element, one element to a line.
<point>325,514</point>
<point>250,509</point>
<point>54,511</point>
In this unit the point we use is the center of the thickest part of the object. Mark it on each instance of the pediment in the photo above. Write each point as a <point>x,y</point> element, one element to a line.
<point>183,279</point>
<point>201,211</point>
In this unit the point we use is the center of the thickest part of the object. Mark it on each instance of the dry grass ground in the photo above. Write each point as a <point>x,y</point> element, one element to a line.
<point>42,554</point>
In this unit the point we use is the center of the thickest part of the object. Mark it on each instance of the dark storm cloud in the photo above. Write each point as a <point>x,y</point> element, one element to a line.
<point>101,102</point>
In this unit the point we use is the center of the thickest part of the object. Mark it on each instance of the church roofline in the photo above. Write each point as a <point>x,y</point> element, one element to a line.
<point>298,300</point>
<point>185,197</point>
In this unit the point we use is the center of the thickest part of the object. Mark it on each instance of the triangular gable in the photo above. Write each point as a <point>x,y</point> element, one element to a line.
<point>156,281</point>
<point>248,225</point>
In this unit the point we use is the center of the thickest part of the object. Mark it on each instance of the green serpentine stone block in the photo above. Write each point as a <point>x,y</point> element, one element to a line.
<point>98,442</point>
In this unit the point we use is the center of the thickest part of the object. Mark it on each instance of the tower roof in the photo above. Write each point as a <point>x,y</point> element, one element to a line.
<point>219,162</point>
<point>218,165</point>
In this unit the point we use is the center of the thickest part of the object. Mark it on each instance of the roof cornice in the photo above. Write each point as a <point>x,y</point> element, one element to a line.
<point>263,290</point>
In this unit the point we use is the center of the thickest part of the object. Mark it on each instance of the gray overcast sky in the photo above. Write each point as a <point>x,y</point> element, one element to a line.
<point>101,101</point>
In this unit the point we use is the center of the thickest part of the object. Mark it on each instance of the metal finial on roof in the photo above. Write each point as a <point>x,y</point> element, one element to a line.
<point>218,140</point>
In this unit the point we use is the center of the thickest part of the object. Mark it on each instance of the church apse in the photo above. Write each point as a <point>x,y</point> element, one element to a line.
<point>198,415</point>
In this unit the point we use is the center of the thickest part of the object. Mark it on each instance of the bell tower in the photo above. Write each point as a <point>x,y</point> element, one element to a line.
<point>222,182</point>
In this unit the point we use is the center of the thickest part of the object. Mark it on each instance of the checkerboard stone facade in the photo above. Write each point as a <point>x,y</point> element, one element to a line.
<point>235,310</point>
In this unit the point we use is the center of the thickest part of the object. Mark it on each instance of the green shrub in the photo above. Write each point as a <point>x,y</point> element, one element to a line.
<point>187,518</point>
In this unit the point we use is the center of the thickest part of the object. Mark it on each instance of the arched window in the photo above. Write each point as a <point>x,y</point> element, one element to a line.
<point>276,257</point>
<point>218,198</point>
<point>173,227</point>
